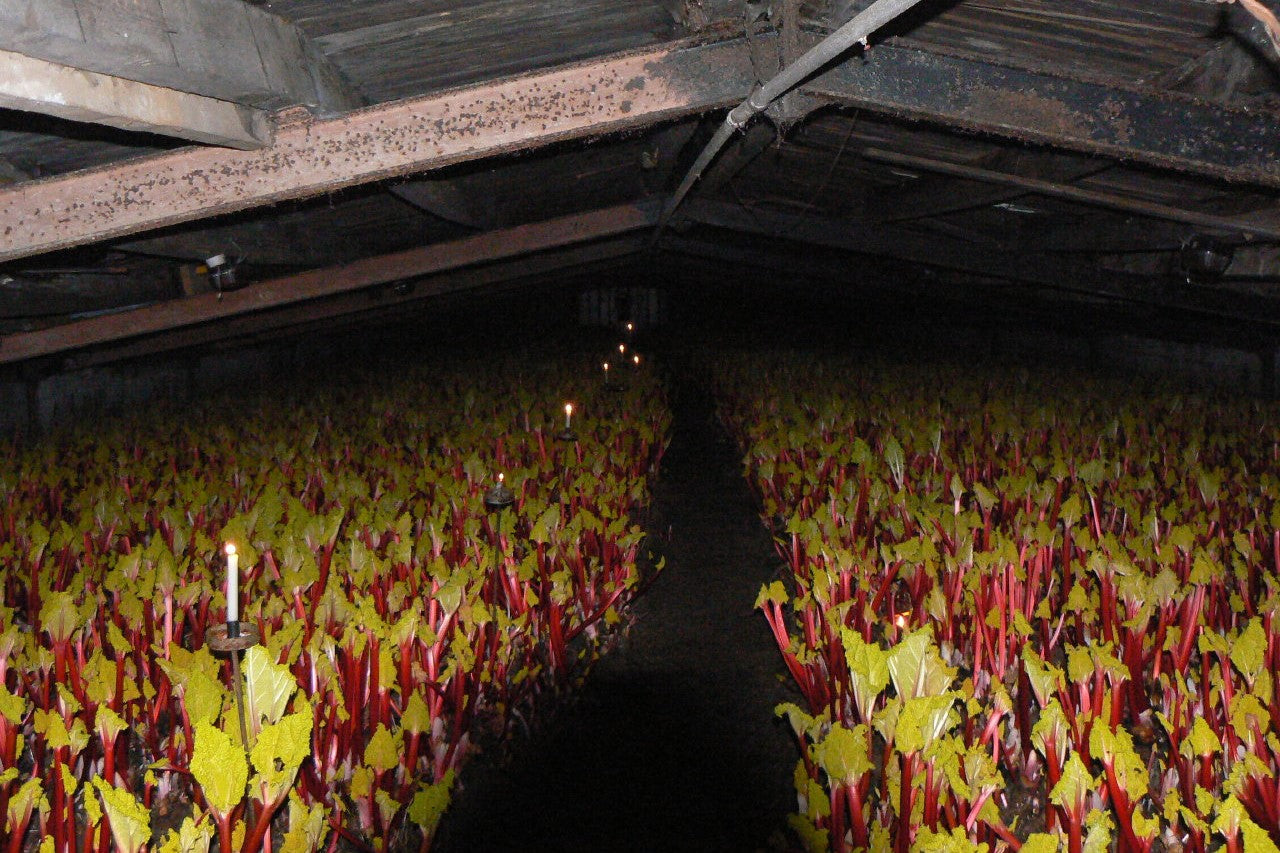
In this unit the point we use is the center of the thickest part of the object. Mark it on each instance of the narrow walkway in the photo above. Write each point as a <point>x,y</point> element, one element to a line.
<point>673,745</point>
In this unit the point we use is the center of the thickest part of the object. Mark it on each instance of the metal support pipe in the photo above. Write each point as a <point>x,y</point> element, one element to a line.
<point>1114,201</point>
<point>859,29</point>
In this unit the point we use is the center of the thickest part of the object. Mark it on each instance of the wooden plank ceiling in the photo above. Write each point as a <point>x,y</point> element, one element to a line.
<point>1068,148</point>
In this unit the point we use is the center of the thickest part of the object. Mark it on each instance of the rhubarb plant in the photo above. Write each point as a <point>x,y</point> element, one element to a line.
<point>1102,566</point>
<point>398,618</point>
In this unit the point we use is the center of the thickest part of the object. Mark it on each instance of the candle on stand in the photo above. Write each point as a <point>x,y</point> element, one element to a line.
<point>568,415</point>
<point>233,587</point>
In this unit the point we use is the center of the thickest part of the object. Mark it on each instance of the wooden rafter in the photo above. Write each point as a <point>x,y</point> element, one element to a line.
<point>620,92</point>
<point>334,281</point>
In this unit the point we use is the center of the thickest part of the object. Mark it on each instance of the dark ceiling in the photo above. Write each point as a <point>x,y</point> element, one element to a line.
<point>1061,150</point>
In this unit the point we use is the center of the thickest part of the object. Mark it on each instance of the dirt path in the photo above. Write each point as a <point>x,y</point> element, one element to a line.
<point>672,745</point>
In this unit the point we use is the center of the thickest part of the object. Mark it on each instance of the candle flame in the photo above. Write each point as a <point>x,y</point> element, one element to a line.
<point>630,327</point>
<point>568,408</point>
<point>635,359</point>
<point>622,348</point>
<point>231,548</point>
<point>900,619</point>
<point>606,365</point>
<point>501,477</point>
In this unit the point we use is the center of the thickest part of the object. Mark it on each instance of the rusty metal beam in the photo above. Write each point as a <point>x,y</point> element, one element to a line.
<point>1094,116</point>
<point>311,157</point>
<point>482,248</point>
<point>371,304</point>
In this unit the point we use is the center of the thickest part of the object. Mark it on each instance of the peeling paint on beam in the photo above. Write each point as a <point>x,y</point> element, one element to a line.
<point>331,281</point>
<point>312,157</point>
<point>1164,129</point>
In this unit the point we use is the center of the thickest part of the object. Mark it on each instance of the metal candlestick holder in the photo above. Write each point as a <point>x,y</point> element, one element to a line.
<point>498,498</point>
<point>232,638</point>
<point>495,501</point>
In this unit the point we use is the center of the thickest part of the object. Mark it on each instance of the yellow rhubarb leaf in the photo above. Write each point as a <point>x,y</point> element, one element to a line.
<point>220,768</point>
<point>130,822</point>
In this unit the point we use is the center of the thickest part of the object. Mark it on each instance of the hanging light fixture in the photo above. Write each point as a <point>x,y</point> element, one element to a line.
<point>1204,260</point>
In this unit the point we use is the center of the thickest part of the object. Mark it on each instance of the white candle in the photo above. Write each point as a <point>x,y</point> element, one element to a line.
<point>568,414</point>
<point>233,583</point>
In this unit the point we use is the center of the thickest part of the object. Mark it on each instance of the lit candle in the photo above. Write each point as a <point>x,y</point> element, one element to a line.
<point>568,414</point>
<point>622,349</point>
<point>606,368</point>
<point>233,584</point>
<point>635,359</point>
<point>630,327</point>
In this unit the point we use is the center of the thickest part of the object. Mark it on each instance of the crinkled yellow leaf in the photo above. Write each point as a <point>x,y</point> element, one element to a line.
<point>268,686</point>
<point>280,750</point>
<point>130,822</point>
<point>1202,740</point>
<point>12,708</point>
<point>955,841</point>
<point>1257,839</point>
<point>868,670</point>
<point>382,752</point>
<point>219,767</point>
<point>307,828</point>
<point>429,803</point>
<point>1249,650</point>
<point>774,593</point>
<point>416,718</point>
<point>1074,785</point>
<point>923,720</point>
<point>916,668</point>
<point>1116,748</point>
<point>1041,842</point>
<point>203,698</point>
<point>843,754</point>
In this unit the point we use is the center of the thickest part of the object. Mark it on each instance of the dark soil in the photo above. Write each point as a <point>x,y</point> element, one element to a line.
<point>672,743</point>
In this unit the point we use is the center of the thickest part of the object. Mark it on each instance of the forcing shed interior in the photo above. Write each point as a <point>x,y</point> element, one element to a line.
<point>204,194</point>
<point>1093,173</point>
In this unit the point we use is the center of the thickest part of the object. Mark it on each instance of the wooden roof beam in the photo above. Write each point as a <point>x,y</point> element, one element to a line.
<point>311,157</point>
<point>332,281</point>
<point>621,92</point>
<point>369,304</point>
<point>931,249</point>
<point>34,85</point>
<point>222,49</point>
